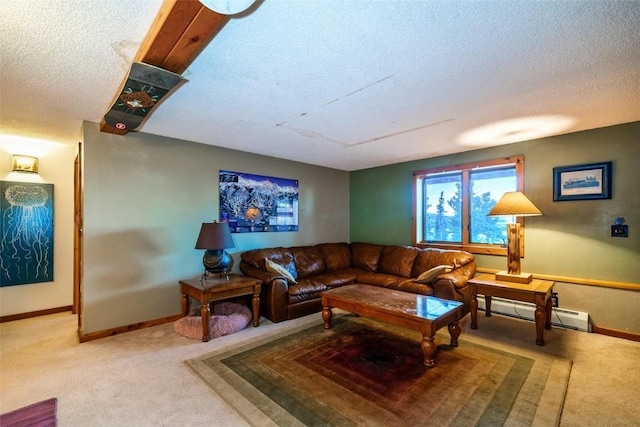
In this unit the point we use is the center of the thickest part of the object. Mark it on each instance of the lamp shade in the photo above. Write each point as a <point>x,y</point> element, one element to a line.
<point>514,203</point>
<point>214,235</point>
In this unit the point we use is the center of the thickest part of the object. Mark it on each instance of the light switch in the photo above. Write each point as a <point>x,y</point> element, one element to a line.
<point>620,230</point>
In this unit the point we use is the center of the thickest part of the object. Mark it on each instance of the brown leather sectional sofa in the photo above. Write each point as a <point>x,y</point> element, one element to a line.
<point>328,265</point>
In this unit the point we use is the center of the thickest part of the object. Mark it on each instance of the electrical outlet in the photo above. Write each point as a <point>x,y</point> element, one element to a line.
<point>554,299</point>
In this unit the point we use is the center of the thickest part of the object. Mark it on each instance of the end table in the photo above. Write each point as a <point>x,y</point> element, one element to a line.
<point>537,291</point>
<point>216,289</point>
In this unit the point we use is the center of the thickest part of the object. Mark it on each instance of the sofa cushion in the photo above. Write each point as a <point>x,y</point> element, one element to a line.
<point>305,290</point>
<point>333,279</point>
<point>414,287</point>
<point>365,256</point>
<point>272,267</point>
<point>309,260</point>
<point>336,255</point>
<point>397,260</point>
<point>379,279</point>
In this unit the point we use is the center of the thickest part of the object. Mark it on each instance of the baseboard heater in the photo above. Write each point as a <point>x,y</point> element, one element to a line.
<point>560,317</point>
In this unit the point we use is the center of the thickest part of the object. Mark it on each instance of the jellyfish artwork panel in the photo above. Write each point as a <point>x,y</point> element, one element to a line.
<point>26,232</point>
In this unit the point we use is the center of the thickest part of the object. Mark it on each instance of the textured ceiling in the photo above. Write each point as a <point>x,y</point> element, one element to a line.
<point>342,84</point>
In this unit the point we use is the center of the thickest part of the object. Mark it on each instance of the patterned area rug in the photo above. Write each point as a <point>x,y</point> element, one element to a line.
<point>363,372</point>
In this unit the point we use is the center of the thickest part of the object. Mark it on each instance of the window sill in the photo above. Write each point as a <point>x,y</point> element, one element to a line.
<point>474,249</point>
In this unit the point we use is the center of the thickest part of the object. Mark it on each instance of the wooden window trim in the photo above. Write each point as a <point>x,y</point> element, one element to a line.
<point>466,168</point>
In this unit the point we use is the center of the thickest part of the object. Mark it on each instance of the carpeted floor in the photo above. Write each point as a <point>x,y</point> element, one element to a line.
<point>363,372</point>
<point>139,379</point>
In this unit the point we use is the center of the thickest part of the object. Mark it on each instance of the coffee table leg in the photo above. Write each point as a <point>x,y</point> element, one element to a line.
<point>204,313</point>
<point>256,309</point>
<point>429,349</point>
<point>327,314</point>
<point>454,332</point>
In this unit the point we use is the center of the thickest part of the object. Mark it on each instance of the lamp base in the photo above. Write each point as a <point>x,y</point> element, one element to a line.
<point>523,278</point>
<point>216,261</point>
<point>207,275</point>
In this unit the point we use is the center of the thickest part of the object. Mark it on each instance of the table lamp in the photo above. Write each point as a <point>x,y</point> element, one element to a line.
<point>514,203</point>
<point>214,238</point>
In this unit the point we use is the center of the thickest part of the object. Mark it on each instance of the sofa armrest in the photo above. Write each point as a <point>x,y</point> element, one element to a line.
<point>459,276</point>
<point>274,300</point>
<point>274,295</point>
<point>453,285</point>
<point>257,273</point>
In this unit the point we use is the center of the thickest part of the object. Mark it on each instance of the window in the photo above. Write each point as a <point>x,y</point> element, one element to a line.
<point>451,205</point>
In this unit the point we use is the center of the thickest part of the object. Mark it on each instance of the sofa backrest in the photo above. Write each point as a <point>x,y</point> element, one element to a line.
<point>397,260</point>
<point>431,257</point>
<point>309,260</point>
<point>336,255</point>
<point>365,256</point>
<point>282,256</point>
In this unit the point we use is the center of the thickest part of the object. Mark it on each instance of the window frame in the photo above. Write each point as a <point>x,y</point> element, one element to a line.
<point>465,169</point>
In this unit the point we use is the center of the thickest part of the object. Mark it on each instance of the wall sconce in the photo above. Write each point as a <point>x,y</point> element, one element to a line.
<point>20,163</point>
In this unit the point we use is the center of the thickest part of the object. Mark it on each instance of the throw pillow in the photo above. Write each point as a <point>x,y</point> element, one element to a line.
<point>430,275</point>
<point>278,269</point>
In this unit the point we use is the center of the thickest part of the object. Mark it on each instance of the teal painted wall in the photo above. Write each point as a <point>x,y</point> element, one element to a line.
<point>381,205</point>
<point>571,239</point>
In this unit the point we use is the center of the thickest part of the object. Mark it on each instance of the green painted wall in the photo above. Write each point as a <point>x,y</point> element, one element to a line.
<point>145,198</point>
<point>571,238</point>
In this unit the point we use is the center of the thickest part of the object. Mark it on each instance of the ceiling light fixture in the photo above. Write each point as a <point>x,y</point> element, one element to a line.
<point>228,7</point>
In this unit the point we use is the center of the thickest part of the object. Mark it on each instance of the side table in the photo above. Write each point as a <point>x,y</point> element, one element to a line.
<point>537,291</point>
<point>216,289</point>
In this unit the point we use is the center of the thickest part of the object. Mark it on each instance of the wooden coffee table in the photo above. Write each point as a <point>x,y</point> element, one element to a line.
<point>216,289</point>
<point>422,313</point>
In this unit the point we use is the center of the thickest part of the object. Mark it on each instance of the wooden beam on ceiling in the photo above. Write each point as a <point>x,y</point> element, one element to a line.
<point>181,30</point>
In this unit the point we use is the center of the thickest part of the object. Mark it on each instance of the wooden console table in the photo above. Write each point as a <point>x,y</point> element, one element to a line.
<point>216,289</point>
<point>537,291</point>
